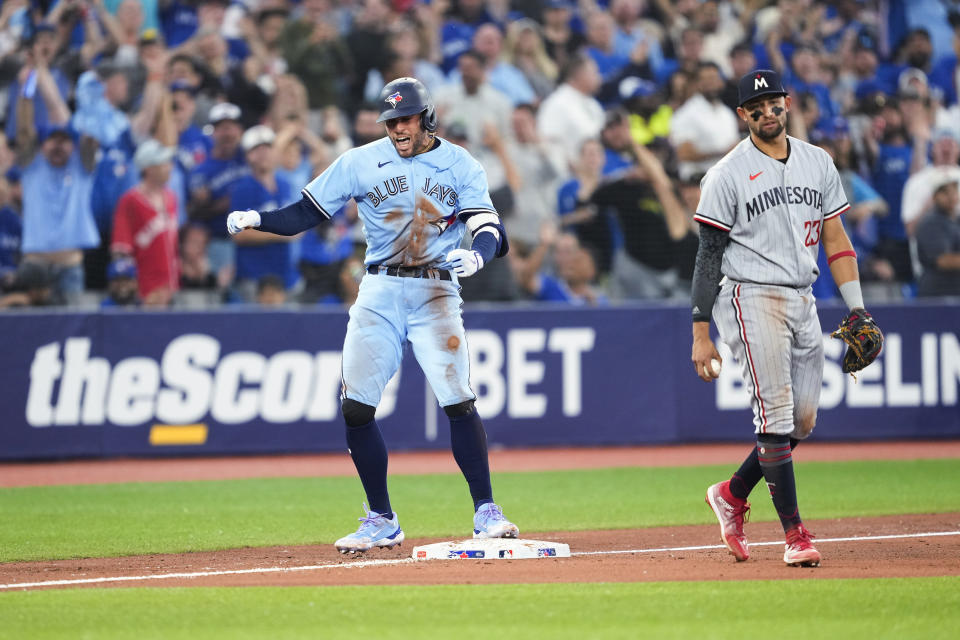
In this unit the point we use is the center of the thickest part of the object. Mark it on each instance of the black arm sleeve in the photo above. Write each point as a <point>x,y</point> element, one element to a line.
<point>292,219</point>
<point>706,272</point>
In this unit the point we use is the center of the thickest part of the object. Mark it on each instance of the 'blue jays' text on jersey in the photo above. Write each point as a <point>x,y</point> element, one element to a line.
<point>414,210</point>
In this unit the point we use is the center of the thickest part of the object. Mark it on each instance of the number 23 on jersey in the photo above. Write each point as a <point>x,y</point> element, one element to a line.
<point>812,227</point>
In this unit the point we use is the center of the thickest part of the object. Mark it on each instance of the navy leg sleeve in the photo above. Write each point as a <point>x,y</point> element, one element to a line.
<point>776,460</point>
<point>749,474</point>
<point>369,454</point>
<point>469,443</point>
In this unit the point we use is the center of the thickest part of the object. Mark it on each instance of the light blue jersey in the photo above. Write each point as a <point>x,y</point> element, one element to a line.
<point>414,210</point>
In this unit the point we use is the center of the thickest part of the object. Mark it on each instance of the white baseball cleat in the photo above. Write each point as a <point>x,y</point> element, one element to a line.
<point>489,522</point>
<point>376,530</point>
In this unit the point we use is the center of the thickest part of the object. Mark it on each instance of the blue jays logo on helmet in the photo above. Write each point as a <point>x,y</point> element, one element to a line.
<point>406,97</point>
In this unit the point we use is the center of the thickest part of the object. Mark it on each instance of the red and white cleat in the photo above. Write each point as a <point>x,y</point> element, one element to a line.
<point>799,551</point>
<point>731,513</point>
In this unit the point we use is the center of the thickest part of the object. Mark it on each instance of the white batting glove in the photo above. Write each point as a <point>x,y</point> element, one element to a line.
<point>237,221</point>
<point>465,262</point>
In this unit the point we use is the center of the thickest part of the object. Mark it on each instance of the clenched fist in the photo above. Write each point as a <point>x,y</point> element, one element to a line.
<point>465,262</point>
<point>237,221</point>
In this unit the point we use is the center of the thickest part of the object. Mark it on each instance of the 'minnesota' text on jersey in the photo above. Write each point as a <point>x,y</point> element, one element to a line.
<point>774,211</point>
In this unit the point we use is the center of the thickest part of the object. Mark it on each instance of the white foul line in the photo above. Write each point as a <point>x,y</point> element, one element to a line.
<point>383,563</point>
<point>204,574</point>
<point>764,544</point>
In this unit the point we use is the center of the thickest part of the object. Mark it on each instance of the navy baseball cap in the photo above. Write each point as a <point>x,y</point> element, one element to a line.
<point>183,85</point>
<point>634,87</point>
<point>46,131</point>
<point>760,82</point>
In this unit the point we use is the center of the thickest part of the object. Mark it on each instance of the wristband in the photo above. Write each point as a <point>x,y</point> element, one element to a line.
<point>851,294</point>
<point>842,254</point>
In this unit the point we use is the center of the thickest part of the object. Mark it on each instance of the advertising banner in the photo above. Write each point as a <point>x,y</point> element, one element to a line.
<point>248,381</point>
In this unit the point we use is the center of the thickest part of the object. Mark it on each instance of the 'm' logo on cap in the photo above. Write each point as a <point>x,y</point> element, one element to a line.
<point>760,81</point>
<point>394,98</point>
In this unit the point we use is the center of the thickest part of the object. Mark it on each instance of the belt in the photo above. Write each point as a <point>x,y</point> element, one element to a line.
<point>409,272</point>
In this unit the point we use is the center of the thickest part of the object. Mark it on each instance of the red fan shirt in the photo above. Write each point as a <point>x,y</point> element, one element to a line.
<point>150,237</point>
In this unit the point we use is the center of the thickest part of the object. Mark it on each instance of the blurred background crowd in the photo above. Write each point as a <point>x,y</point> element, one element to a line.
<point>131,127</point>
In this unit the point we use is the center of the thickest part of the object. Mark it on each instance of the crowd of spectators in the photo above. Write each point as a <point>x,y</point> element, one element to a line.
<point>131,127</point>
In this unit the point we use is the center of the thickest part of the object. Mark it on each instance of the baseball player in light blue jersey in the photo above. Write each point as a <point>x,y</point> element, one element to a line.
<point>416,195</point>
<point>764,211</point>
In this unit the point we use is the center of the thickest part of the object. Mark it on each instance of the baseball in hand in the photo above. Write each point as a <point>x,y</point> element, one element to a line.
<point>715,367</point>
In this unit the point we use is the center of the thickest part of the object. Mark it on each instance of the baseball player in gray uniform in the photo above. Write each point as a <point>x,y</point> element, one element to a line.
<point>764,210</point>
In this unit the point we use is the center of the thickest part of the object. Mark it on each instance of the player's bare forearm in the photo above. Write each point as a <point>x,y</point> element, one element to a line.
<point>701,330</point>
<point>704,351</point>
<point>839,251</point>
<point>844,270</point>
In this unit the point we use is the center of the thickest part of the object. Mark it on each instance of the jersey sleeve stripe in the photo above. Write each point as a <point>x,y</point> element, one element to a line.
<point>464,214</point>
<point>310,197</point>
<point>833,214</point>
<point>478,220</point>
<point>699,217</point>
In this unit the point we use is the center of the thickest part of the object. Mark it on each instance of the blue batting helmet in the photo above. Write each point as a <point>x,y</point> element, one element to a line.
<point>406,97</point>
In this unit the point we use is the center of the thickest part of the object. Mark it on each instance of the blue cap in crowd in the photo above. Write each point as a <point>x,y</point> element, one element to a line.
<point>122,268</point>
<point>636,87</point>
<point>41,27</point>
<point>869,87</point>
<point>46,131</point>
<point>830,129</point>
<point>183,85</point>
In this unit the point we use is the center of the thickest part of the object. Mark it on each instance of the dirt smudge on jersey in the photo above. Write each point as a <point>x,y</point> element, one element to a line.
<point>453,343</point>
<point>422,229</point>
<point>805,419</point>
<point>438,304</point>
<point>776,306</point>
<point>453,378</point>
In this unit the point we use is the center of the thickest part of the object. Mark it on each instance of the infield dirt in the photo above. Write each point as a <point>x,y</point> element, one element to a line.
<point>650,560</point>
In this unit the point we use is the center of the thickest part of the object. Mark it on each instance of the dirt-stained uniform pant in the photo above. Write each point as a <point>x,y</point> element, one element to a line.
<point>390,311</point>
<point>774,334</point>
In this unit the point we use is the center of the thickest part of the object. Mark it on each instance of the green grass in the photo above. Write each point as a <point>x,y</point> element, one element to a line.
<point>124,519</point>
<point>926,608</point>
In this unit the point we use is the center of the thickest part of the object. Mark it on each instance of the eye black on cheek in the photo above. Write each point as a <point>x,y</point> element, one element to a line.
<point>755,114</point>
<point>777,110</point>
